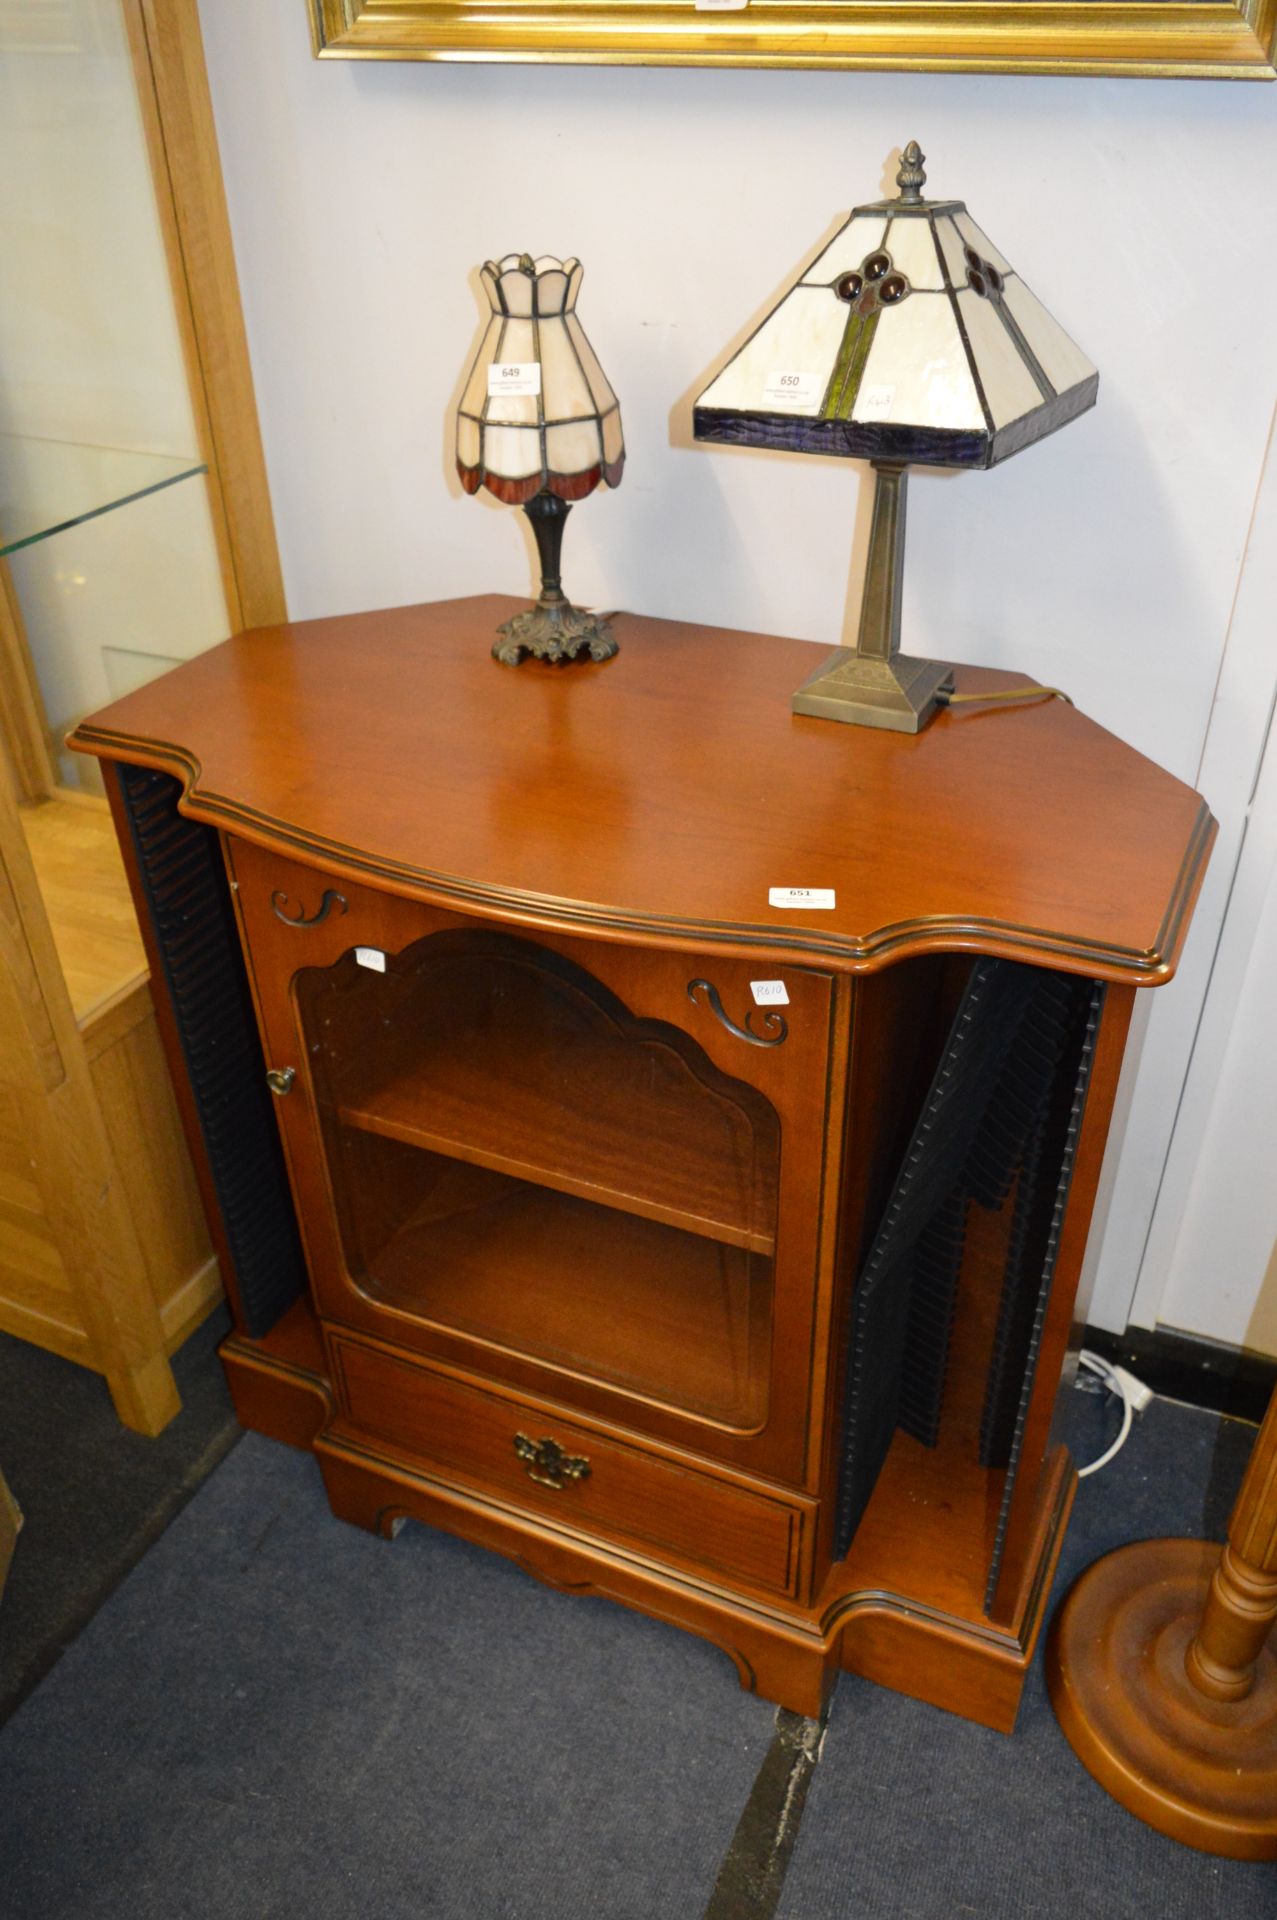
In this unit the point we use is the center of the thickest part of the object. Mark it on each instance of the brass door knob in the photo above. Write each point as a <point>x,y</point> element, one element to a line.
<point>280,1079</point>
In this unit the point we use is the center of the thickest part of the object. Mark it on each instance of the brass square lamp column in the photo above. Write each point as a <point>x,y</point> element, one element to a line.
<point>909,340</point>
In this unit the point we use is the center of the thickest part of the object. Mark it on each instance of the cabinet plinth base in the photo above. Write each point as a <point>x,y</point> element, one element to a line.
<point>785,1651</point>
<point>1202,1771</point>
<point>279,1385</point>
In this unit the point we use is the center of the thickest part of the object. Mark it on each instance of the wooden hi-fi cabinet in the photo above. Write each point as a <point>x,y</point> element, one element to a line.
<point>579,1198</point>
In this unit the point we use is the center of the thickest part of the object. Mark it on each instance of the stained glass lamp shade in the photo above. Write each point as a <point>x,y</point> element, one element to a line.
<point>910,339</point>
<point>540,427</point>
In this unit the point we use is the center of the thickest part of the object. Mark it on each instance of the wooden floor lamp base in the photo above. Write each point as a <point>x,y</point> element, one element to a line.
<point>1202,1770</point>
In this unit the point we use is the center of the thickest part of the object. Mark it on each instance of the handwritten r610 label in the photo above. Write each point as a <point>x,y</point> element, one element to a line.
<point>875,403</point>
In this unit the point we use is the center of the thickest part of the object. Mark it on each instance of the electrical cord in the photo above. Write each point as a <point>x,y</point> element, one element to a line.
<point>1133,1394</point>
<point>1002,699</point>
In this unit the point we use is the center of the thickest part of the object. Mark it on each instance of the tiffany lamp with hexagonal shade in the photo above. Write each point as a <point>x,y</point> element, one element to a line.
<point>909,340</point>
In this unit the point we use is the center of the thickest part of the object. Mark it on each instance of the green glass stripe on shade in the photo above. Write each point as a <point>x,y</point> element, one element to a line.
<point>842,366</point>
<point>844,384</point>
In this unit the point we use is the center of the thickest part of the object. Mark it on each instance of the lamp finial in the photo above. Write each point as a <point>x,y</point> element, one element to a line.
<point>911,179</point>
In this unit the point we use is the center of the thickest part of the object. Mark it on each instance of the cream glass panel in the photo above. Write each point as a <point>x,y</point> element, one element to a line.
<point>918,360</point>
<point>516,291</point>
<point>516,346</point>
<point>802,336</point>
<point>512,452</point>
<point>912,247</point>
<point>613,444</point>
<point>467,441</point>
<point>572,449</point>
<point>980,241</point>
<point>518,342</point>
<point>564,392</point>
<point>551,291</point>
<point>1063,362</point>
<point>1009,387</point>
<point>846,250</point>
<point>951,247</point>
<point>514,410</point>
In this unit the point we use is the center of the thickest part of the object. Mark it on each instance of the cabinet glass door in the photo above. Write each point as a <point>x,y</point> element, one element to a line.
<point>517,1159</point>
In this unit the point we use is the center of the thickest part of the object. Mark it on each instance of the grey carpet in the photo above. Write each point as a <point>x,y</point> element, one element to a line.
<point>278,1715</point>
<point>915,1815</point>
<point>93,1495</point>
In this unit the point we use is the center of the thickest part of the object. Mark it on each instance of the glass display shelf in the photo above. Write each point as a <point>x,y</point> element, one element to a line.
<point>47,486</point>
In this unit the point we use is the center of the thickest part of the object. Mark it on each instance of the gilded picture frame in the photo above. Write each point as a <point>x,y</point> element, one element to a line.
<point>1201,39</point>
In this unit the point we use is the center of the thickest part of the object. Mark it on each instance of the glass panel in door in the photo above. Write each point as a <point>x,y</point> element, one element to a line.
<point>515,1157</point>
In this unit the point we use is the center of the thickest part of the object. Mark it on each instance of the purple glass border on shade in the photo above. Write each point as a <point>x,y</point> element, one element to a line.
<point>883,440</point>
<point>851,439</point>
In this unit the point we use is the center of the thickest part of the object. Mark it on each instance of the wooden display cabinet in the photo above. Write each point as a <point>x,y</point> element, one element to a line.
<point>544,1231</point>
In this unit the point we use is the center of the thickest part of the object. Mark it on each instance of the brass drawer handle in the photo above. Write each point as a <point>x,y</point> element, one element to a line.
<point>547,1463</point>
<point>280,1079</point>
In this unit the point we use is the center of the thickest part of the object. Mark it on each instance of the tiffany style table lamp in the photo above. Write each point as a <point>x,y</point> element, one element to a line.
<point>909,339</point>
<point>540,427</point>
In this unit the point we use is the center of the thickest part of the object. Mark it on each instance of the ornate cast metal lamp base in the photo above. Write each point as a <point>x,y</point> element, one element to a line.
<point>553,632</point>
<point>873,684</point>
<point>554,629</point>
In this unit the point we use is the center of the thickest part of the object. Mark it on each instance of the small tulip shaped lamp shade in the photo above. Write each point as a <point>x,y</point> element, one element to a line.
<point>909,339</point>
<point>540,428</point>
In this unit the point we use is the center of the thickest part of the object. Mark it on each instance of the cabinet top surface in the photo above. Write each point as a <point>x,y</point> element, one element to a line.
<point>665,792</point>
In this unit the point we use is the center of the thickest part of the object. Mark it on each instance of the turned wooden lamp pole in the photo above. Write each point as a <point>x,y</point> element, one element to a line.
<point>1163,1680</point>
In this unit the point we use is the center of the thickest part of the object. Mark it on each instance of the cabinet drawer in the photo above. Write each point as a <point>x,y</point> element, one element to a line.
<point>626,1494</point>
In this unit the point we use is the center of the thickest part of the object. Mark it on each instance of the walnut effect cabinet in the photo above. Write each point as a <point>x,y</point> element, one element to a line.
<point>538,1227</point>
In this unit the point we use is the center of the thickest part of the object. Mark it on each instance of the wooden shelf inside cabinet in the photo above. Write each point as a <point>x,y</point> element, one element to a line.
<point>526,1140</point>
<point>483,1055</point>
<point>589,1289</point>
